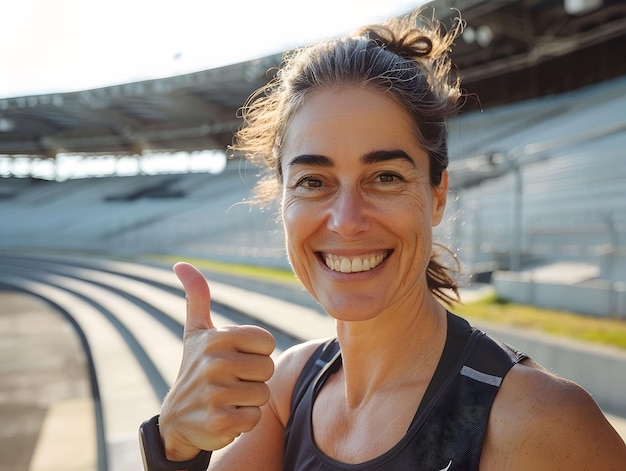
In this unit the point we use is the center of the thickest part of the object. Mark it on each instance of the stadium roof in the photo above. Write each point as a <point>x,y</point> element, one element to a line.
<point>510,51</point>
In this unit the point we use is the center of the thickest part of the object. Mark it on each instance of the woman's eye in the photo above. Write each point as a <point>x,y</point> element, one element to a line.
<point>309,182</point>
<point>388,178</point>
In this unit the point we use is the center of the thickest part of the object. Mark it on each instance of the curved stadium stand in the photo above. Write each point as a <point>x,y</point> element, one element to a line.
<point>550,191</point>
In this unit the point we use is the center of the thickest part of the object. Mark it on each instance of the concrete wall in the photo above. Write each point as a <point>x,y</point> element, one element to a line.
<point>601,298</point>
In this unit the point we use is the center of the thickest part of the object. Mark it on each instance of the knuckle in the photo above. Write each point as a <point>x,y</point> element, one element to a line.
<point>233,422</point>
<point>217,397</point>
<point>267,368</point>
<point>222,422</point>
<point>264,393</point>
<point>253,417</point>
<point>258,394</point>
<point>213,367</point>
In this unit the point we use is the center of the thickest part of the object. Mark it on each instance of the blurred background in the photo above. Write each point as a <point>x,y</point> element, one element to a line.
<point>115,118</point>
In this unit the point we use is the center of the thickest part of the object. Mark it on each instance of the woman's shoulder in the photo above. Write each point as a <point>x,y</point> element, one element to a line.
<point>294,358</point>
<point>542,421</point>
<point>289,365</point>
<point>536,393</point>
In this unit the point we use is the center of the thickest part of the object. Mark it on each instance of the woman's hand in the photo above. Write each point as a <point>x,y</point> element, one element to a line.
<point>221,383</point>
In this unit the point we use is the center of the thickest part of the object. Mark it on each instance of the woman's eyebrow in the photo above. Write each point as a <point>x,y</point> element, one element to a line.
<point>317,160</point>
<point>314,160</point>
<point>384,155</point>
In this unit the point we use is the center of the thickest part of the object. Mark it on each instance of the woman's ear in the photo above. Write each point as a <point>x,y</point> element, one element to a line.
<point>440,195</point>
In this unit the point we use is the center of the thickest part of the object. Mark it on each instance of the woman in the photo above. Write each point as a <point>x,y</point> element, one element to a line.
<point>353,130</point>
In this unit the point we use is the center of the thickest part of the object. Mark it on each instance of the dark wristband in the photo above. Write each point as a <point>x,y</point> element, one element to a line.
<point>153,451</point>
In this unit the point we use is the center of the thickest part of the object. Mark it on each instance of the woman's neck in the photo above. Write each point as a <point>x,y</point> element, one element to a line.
<point>405,343</point>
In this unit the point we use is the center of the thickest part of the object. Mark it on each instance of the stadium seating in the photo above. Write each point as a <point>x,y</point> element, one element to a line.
<point>560,196</point>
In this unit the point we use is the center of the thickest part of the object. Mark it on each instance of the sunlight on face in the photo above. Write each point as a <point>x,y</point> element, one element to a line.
<point>358,207</point>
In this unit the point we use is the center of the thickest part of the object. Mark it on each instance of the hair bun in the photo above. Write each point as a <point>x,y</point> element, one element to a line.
<point>422,46</point>
<point>412,45</point>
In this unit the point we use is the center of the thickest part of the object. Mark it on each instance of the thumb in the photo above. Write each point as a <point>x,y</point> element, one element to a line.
<point>198,297</point>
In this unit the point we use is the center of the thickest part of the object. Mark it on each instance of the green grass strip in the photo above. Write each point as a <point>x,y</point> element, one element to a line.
<point>248,271</point>
<point>597,330</point>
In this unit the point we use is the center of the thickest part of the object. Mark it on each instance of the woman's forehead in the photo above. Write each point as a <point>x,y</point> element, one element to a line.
<point>348,115</point>
<point>348,99</point>
<point>347,110</point>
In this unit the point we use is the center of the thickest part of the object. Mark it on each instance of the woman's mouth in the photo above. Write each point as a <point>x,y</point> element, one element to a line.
<point>354,264</point>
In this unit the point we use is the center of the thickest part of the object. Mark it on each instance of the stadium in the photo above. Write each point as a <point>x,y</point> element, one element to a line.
<point>538,183</point>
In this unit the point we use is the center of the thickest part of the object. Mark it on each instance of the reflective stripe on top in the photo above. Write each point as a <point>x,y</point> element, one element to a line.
<point>482,377</point>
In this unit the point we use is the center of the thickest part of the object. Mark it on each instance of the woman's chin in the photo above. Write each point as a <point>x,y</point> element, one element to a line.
<point>349,310</point>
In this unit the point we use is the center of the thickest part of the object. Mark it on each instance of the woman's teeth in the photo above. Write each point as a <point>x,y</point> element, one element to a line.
<point>354,264</point>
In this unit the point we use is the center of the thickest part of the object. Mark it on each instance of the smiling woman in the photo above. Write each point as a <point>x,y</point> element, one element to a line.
<point>353,134</point>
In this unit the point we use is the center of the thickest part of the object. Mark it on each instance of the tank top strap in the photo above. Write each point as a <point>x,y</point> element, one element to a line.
<point>323,357</point>
<point>459,331</point>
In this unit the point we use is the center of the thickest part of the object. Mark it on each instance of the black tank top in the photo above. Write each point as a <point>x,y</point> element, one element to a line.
<point>448,429</point>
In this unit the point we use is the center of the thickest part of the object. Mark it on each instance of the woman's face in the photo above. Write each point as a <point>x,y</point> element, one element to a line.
<point>357,204</point>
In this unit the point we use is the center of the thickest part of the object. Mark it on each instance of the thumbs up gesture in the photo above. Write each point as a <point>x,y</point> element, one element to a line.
<point>220,387</point>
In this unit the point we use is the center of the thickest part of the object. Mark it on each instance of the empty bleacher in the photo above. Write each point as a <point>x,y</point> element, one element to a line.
<point>200,213</point>
<point>566,202</point>
<point>563,200</point>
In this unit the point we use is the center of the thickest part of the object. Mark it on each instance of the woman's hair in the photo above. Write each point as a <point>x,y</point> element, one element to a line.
<point>405,58</point>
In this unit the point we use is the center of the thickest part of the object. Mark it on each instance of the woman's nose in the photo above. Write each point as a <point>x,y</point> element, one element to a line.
<point>348,214</point>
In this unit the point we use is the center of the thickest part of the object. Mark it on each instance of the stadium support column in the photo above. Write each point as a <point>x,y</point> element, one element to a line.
<point>515,253</point>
